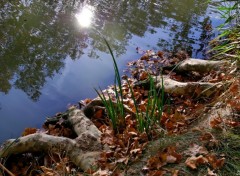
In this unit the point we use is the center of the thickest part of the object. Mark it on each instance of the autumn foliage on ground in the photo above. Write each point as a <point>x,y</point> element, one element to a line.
<point>128,152</point>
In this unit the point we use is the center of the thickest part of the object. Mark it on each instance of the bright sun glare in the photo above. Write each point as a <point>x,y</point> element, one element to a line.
<point>85,16</point>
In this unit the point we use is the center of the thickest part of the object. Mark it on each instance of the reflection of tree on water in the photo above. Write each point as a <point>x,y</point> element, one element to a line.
<point>185,26</point>
<point>35,42</point>
<point>37,36</point>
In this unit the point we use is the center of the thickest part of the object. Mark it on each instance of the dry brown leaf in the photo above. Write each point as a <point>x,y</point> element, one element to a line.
<point>216,122</point>
<point>160,54</point>
<point>143,75</point>
<point>28,131</point>
<point>214,162</point>
<point>98,114</point>
<point>209,139</point>
<point>234,87</point>
<point>195,150</point>
<point>193,162</point>
<point>47,171</point>
<point>134,151</point>
<point>87,100</point>
<point>175,173</point>
<point>145,57</point>
<point>171,159</point>
<point>178,116</point>
<point>157,173</point>
<point>171,151</point>
<point>101,172</point>
<point>123,160</point>
<point>154,163</point>
<point>231,123</point>
<point>211,173</point>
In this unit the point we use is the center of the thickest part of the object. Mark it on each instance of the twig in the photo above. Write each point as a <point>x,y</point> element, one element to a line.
<point>5,169</point>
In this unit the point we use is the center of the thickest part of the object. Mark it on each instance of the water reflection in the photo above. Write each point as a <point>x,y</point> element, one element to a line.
<point>36,36</point>
<point>44,54</point>
<point>85,15</point>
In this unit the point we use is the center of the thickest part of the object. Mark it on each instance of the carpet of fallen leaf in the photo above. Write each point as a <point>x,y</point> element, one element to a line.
<point>128,147</point>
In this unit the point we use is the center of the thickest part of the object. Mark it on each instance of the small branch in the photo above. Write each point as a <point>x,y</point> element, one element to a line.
<point>6,170</point>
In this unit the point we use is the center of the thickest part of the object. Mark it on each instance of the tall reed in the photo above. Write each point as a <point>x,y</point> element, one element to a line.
<point>146,120</point>
<point>115,111</point>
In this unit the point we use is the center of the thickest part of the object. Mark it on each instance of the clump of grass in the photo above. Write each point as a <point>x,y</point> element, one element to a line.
<point>146,120</point>
<point>115,110</point>
<point>230,147</point>
<point>227,44</point>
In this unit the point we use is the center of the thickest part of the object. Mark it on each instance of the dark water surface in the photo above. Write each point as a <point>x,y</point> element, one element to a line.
<point>47,61</point>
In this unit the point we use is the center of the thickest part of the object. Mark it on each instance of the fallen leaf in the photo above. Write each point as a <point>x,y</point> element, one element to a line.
<point>215,122</point>
<point>154,163</point>
<point>144,57</point>
<point>87,100</point>
<point>234,87</point>
<point>193,162</point>
<point>29,131</point>
<point>195,150</point>
<point>160,54</point>
<point>98,114</point>
<point>47,171</point>
<point>134,151</point>
<point>231,123</point>
<point>175,173</point>
<point>171,159</point>
<point>211,173</point>
<point>214,162</point>
<point>123,160</point>
<point>101,172</point>
<point>157,173</point>
<point>143,75</point>
<point>209,139</point>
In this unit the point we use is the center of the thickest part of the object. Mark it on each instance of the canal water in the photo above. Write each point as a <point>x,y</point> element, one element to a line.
<point>48,61</point>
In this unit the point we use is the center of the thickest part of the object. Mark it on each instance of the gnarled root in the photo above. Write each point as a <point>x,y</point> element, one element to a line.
<point>196,89</point>
<point>199,65</point>
<point>188,88</point>
<point>82,151</point>
<point>86,148</point>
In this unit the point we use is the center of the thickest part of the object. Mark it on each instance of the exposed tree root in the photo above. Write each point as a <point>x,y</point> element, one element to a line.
<point>85,149</point>
<point>205,89</point>
<point>188,88</point>
<point>199,65</point>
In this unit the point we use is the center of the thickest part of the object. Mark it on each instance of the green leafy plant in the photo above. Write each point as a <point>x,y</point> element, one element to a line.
<point>146,120</point>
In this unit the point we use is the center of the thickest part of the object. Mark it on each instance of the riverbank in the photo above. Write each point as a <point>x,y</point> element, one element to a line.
<point>189,137</point>
<point>49,63</point>
<point>181,120</point>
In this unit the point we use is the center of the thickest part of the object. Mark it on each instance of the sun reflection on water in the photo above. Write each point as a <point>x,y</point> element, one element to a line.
<point>85,16</point>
